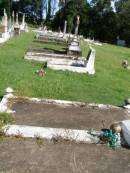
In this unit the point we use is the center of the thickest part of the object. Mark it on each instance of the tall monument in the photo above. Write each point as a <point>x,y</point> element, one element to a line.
<point>5,21</point>
<point>77,26</point>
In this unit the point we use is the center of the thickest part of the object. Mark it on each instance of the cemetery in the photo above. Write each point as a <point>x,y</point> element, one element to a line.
<point>70,59</point>
<point>64,98</point>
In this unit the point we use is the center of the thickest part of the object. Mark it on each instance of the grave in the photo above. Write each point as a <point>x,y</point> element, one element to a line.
<point>51,36</point>
<point>52,57</point>
<point>44,35</point>
<point>79,66</point>
<point>23,27</point>
<point>74,47</point>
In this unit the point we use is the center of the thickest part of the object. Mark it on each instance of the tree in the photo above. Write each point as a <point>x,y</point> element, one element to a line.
<point>69,9</point>
<point>102,24</point>
<point>32,8</point>
<point>123,17</point>
<point>5,4</point>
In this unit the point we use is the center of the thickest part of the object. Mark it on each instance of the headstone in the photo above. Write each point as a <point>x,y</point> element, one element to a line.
<point>9,25</point>
<point>121,42</point>
<point>16,26</point>
<point>65,27</point>
<point>74,49</point>
<point>17,20</point>
<point>23,20</point>
<point>5,22</point>
<point>23,25</point>
<point>77,26</point>
<point>26,27</point>
<point>13,20</point>
<point>126,131</point>
<point>4,36</point>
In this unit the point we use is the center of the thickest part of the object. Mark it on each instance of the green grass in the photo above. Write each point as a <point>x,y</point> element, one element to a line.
<point>5,118</point>
<point>110,84</point>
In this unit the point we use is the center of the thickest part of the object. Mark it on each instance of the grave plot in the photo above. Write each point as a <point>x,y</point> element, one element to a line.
<point>50,56</point>
<point>57,60</point>
<point>80,66</point>
<point>51,53</point>
<point>44,35</point>
<point>48,113</point>
<point>53,37</point>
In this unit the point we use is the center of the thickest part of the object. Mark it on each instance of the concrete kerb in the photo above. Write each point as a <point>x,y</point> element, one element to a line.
<point>78,136</point>
<point>5,100</point>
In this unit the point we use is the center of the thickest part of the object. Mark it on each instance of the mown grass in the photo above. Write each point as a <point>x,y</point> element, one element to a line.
<point>110,84</point>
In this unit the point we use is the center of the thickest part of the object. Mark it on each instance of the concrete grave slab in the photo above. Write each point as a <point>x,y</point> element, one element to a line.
<point>64,114</point>
<point>19,155</point>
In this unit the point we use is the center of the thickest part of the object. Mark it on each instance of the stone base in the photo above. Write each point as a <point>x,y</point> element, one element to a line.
<point>74,50</point>
<point>4,37</point>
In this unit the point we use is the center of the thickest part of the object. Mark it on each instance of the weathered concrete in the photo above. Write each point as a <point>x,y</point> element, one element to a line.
<point>37,156</point>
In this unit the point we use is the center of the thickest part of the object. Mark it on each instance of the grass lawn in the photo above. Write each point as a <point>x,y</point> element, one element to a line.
<point>110,84</point>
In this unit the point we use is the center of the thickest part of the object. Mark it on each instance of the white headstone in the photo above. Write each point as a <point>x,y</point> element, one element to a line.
<point>23,21</point>
<point>77,26</point>
<point>5,21</point>
<point>17,21</point>
<point>65,27</point>
<point>126,131</point>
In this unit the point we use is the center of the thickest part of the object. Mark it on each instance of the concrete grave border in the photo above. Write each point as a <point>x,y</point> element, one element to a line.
<point>78,136</point>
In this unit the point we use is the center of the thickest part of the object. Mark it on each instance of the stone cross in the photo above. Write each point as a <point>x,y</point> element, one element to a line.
<point>77,26</point>
<point>65,27</point>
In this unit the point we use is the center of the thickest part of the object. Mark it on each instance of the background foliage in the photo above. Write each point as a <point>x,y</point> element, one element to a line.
<point>97,19</point>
